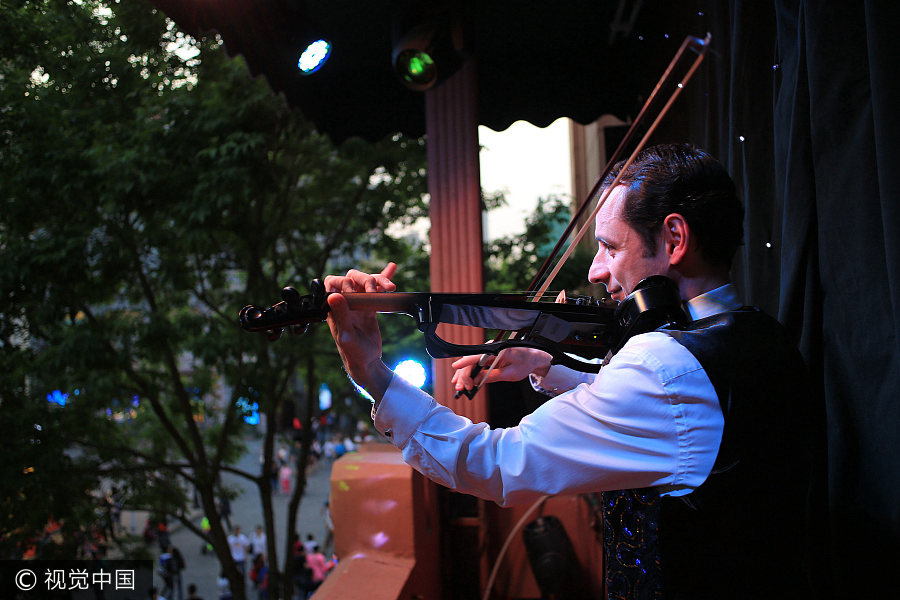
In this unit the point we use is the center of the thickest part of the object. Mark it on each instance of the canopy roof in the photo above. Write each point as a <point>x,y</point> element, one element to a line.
<point>536,60</point>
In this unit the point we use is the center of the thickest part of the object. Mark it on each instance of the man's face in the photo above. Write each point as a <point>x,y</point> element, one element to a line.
<point>622,260</point>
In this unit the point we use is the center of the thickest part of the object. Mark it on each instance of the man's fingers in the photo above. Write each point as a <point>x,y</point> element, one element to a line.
<point>388,272</point>
<point>332,283</point>
<point>461,380</point>
<point>338,305</point>
<point>466,361</point>
<point>464,366</point>
<point>383,280</point>
<point>358,281</point>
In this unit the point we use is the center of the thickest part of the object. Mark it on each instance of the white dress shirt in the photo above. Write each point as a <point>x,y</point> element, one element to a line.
<point>650,418</point>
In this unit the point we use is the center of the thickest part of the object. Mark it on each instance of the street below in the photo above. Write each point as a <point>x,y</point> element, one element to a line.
<point>202,569</point>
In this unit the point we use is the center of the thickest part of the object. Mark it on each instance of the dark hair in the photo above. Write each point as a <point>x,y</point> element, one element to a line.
<point>683,179</point>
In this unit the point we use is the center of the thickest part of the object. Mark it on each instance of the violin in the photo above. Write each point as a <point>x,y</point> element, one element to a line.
<point>578,326</point>
<point>572,331</point>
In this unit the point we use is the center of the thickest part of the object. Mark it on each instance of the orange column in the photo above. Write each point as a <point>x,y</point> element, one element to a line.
<point>454,184</point>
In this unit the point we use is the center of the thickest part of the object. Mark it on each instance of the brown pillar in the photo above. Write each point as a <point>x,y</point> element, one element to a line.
<point>454,184</point>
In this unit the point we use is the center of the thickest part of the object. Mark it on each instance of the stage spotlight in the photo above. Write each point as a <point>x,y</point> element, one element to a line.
<point>314,56</point>
<point>305,41</point>
<point>412,371</point>
<point>415,68</point>
<point>428,46</point>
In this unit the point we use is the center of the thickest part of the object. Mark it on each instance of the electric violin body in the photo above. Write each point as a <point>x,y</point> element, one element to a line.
<point>579,326</point>
<point>573,331</point>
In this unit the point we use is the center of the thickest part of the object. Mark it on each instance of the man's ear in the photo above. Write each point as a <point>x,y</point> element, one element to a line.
<point>676,238</point>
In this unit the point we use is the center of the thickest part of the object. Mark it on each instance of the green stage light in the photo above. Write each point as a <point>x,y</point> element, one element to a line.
<point>416,68</point>
<point>428,43</point>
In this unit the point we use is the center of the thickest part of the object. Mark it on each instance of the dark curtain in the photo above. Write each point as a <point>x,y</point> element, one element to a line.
<point>800,100</point>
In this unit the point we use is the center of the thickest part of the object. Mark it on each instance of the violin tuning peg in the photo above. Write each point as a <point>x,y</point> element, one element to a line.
<point>291,297</point>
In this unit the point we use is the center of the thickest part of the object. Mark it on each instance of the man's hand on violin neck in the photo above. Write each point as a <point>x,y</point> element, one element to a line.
<point>358,341</point>
<point>356,332</point>
<point>357,281</point>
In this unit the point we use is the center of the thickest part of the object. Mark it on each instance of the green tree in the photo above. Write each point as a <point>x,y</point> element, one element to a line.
<point>513,261</point>
<point>152,187</point>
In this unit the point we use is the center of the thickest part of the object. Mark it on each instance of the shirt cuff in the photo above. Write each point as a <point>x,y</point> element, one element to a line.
<point>402,409</point>
<point>558,379</point>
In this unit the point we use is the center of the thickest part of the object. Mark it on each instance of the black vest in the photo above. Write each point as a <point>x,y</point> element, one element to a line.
<point>743,532</point>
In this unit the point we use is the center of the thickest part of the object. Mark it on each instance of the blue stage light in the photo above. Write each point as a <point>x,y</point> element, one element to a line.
<point>412,371</point>
<point>324,397</point>
<point>58,397</point>
<point>314,56</point>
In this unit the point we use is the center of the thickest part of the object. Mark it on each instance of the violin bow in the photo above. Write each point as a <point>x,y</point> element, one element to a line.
<point>697,45</point>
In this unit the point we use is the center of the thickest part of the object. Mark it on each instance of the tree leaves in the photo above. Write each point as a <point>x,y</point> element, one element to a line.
<point>147,196</point>
<point>513,261</point>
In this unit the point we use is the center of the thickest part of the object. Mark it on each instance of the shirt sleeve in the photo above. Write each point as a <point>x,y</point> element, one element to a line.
<point>649,418</point>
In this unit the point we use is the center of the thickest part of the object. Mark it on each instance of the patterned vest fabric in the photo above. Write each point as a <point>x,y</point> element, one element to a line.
<point>743,533</point>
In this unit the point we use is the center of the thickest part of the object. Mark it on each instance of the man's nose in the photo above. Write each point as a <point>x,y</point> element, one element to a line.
<point>598,272</point>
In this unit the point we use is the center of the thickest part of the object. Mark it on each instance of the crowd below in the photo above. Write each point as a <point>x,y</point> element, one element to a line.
<point>310,564</point>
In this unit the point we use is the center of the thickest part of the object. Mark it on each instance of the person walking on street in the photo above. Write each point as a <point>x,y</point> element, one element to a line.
<point>318,565</point>
<point>224,587</point>
<point>259,575</point>
<point>171,564</point>
<point>192,592</point>
<point>285,475</point>
<point>329,527</point>
<point>177,566</point>
<point>310,544</point>
<point>238,544</point>
<point>207,528</point>
<point>257,542</point>
<point>165,571</point>
<point>225,510</point>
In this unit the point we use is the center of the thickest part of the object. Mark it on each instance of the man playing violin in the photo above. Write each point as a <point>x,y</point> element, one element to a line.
<point>698,437</point>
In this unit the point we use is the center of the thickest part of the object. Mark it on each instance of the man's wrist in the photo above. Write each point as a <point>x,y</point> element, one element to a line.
<point>378,378</point>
